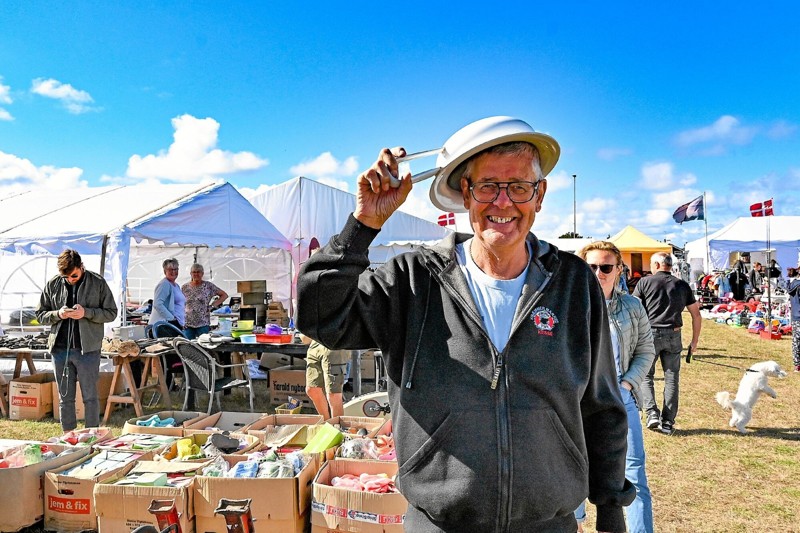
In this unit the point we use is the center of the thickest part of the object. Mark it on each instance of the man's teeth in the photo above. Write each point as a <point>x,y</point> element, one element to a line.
<point>501,220</point>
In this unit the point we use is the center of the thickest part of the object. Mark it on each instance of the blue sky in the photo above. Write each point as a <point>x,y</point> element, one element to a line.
<point>652,104</point>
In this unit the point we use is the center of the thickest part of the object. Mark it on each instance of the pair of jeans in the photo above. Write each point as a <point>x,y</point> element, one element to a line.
<point>668,350</point>
<point>638,514</point>
<point>193,333</point>
<point>73,367</point>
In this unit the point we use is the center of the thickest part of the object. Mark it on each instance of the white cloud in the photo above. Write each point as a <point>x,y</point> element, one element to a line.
<point>657,217</point>
<point>661,175</point>
<point>781,129</point>
<point>725,130</point>
<point>74,100</point>
<point>558,181</point>
<point>193,155</point>
<point>335,183</point>
<point>18,174</point>
<point>326,166</point>
<point>5,98</point>
<point>598,205</point>
<point>610,154</point>
<point>671,200</point>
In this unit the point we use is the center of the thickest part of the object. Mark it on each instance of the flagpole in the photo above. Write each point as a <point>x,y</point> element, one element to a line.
<point>705,219</point>
<point>769,285</point>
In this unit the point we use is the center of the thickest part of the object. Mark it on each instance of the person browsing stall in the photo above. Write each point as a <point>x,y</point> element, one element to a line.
<point>501,376</point>
<point>201,298</point>
<point>169,303</point>
<point>76,304</point>
<point>664,297</point>
<point>632,340</point>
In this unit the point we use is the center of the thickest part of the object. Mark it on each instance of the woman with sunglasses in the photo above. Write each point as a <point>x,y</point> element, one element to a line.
<point>634,353</point>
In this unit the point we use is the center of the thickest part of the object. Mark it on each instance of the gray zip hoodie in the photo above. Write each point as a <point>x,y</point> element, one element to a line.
<point>486,441</point>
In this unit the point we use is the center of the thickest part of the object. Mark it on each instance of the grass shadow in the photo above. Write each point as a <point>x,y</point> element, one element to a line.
<point>789,434</point>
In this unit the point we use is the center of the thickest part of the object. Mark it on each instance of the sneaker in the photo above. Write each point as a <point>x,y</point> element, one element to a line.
<point>666,427</point>
<point>653,421</point>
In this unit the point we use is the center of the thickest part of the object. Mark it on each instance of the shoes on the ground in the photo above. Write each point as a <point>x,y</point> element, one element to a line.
<point>666,427</point>
<point>653,421</point>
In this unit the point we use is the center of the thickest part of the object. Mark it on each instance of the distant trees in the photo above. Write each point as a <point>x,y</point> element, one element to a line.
<point>571,235</point>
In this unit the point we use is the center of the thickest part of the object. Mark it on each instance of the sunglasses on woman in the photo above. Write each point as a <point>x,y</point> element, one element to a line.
<point>605,269</point>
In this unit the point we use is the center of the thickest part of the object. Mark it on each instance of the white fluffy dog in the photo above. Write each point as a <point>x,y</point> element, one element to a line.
<point>753,385</point>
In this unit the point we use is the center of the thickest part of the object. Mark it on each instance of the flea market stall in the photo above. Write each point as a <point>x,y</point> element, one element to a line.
<point>125,232</point>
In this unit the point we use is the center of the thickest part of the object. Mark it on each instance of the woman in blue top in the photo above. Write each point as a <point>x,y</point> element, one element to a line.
<point>793,288</point>
<point>634,353</point>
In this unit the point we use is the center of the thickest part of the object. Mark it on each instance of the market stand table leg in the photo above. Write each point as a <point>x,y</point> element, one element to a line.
<point>122,366</point>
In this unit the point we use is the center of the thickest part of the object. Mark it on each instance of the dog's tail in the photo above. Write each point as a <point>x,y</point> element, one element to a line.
<point>724,399</point>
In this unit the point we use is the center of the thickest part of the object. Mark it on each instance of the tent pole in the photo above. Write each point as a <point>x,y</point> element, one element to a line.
<point>705,219</point>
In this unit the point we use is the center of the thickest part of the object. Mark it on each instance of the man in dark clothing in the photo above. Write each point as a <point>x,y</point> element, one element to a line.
<point>502,380</point>
<point>664,297</point>
<point>76,304</point>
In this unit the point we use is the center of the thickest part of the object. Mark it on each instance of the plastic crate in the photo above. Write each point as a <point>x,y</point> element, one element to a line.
<point>283,409</point>
<point>275,339</point>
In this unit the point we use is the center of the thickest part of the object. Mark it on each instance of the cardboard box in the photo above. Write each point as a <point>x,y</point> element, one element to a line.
<point>133,442</point>
<point>288,381</point>
<point>271,360</point>
<point>251,286</point>
<point>182,419</point>
<point>69,500</point>
<point>279,505</point>
<point>282,430</point>
<point>368,365</point>
<point>171,452</point>
<point>21,488</point>
<point>222,421</point>
<point>372,425</point>
<point>122,508</point>
<point>31,397</point>
<point>103,390</point>
<point>347,510</point>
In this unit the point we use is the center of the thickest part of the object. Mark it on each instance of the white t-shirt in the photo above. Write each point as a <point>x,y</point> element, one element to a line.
<point>496,299</point>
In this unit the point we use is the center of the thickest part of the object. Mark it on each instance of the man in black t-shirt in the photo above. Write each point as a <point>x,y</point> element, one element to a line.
<point>664,297</point>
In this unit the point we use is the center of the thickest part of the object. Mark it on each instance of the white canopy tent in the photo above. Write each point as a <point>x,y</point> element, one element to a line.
<point>127,231</point>
<point>749,234</point>
<point>304,209</point>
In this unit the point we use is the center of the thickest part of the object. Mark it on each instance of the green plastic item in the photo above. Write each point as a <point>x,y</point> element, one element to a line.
<point>327,437</point>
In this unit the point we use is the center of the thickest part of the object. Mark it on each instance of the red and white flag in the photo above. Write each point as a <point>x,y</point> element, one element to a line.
<point>762,209</point>
<point>448,219</point>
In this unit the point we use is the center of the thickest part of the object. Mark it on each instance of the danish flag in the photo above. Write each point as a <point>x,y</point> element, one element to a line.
<point>762,209</point>
<point>448,219</point>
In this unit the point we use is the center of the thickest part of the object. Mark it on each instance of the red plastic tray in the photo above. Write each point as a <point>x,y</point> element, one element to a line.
<point>276,339</point>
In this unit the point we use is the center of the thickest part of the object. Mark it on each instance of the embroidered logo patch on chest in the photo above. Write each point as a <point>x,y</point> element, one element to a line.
<point>544,320</point>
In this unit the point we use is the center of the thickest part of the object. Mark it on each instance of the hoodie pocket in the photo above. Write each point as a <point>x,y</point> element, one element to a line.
<point>550,472</point>
<point>452,475</point>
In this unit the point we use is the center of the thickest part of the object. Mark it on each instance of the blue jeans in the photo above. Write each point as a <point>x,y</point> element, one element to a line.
<point>638,514</point>
<point>193,333</point>
<point>668,351</point>
<point>70,368</point>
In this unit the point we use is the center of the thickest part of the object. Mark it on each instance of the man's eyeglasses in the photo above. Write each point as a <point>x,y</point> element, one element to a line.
<point>605,269</point>
<point>519,192</point>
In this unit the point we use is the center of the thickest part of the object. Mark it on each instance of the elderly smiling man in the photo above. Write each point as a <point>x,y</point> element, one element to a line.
<point>502,381</point>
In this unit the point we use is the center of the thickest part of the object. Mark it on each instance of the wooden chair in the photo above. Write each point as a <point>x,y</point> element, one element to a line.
<point>203,373</point>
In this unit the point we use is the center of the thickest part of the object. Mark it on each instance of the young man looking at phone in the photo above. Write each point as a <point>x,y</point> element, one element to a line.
<point>76,304</point>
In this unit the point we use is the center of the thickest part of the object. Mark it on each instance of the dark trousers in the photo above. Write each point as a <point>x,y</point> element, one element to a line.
<point>668,350</point>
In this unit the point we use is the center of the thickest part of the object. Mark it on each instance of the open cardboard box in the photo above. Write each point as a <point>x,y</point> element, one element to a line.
<point>341,509</point>
<point>122,508</point>
<point>182,419</point>
<point>21,488</point>
<point>68,492</point>
<point>171,452</point>
<point>222,421</point>
<point>282,430</point>
<point>31,397</point>
<point>279,505</point>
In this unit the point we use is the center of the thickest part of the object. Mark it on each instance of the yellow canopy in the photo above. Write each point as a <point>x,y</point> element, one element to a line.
<point>630,239</point>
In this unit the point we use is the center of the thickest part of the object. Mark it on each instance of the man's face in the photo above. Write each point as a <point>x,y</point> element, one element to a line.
<point>502,224</point>
<point>74,276</point>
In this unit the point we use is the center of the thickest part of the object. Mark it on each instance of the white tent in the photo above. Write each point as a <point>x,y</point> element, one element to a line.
<point>126,231</point>
<point>749,234</point>
<point>303,209</point>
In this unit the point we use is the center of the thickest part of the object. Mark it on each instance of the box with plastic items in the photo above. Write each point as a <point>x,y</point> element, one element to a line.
<point>68,490</point>
<point>200,447</point>
<point>122,502</point>
<point>163,423</point>
<point>283,430</point>
<point>340,508</point>
<point>222,421</point>
<point>21,481</point>
<point>279,505</point>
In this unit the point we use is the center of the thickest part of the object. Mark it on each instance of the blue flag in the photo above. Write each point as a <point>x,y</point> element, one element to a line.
<point>694,210</point>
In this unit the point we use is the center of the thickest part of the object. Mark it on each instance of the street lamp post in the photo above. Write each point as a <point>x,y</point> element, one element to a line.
<point>574,208</point>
